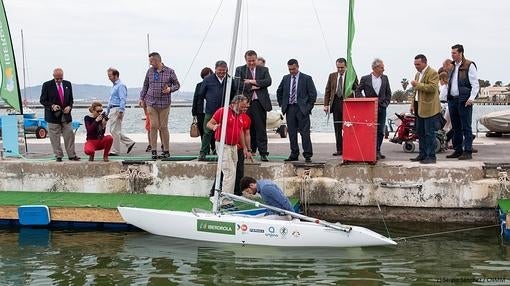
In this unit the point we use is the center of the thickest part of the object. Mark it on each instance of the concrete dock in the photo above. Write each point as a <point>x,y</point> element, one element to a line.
<point>449,191</point>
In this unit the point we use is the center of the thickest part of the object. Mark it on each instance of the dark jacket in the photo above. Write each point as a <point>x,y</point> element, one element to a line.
<point>213,92</point>
<point>198,102</point>
<point>263,81</point>
<point>306,93</point>
<point>365,85</point>
<point>49,96</point>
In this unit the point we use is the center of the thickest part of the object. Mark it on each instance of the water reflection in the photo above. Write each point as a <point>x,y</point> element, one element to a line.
<point>138,258</point>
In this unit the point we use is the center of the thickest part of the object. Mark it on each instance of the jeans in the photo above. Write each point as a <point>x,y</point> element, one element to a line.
<point>381,122</point>
<point>426,129</point>
<point>461,116</point>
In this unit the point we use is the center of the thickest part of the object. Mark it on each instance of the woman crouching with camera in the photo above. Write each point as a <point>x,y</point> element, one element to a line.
<point>96,126</point>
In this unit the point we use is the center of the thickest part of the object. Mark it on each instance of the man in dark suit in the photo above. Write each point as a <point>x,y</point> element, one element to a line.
<point>296,96</point>
<point>253,81</point>
<point>377,85</point>
<point>57,98</point>
<point>334,99</point>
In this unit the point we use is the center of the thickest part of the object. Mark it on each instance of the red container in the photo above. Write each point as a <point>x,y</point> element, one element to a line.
<point>360,130</point>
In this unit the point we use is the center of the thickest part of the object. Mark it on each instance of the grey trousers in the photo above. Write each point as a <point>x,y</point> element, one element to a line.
<point>115,127</point>
<point>63,129</point>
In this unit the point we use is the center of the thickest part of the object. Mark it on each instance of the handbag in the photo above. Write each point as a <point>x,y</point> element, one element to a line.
<point>193,130</point>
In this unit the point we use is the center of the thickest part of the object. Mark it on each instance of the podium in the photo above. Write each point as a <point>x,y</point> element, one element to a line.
<point>360,130</point>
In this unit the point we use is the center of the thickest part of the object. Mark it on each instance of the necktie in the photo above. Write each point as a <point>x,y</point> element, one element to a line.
<point>292,98</point>
<point>254,96</point>
<point>60,92</point>
<point>340,90</point>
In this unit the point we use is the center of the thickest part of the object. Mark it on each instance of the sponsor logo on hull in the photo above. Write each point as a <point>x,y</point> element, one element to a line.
<point>216,227</point>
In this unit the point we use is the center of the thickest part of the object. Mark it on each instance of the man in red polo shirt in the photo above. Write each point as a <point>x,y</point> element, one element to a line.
<point>234,135</point>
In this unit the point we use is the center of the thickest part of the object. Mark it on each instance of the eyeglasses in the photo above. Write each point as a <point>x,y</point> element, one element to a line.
<point>99,111</point>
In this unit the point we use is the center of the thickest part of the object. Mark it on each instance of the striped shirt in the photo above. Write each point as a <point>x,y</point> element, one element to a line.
<point>153,85</point>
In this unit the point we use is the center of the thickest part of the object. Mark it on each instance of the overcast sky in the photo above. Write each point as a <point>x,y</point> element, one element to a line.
<point>85,37</point>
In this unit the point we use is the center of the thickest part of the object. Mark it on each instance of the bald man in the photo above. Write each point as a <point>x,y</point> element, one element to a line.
<point>57,99</point>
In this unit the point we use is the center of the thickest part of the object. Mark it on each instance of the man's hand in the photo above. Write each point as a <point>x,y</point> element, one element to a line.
<point>166,89</point>
<point>141,103</point>
<point>250,81</point>
<point>120,116</point>
<point>254,87</point>
<point>247,155</point>
<point>326,109</point>
<point>414,83</point>
<point>67,109</point>
<point>469,102</point>
<point>55,107</point>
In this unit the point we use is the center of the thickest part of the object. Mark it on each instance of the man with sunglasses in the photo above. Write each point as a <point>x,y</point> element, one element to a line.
<point>57,99</point>
<point>159,83</point>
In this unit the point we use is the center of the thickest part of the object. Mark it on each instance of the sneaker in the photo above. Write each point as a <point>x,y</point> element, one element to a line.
<point>154,154</point>
<point>201,157</point>
<point>165,155</point>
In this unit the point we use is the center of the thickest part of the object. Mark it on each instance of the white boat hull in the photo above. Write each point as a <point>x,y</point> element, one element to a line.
<point>498,121</point>
<point>227,228</point>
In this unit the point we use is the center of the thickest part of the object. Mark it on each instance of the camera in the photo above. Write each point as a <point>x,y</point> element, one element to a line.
<point>104,115</point>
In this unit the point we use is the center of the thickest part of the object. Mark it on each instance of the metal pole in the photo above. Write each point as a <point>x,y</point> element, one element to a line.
<point>293,214</point>
<point>226,103</point>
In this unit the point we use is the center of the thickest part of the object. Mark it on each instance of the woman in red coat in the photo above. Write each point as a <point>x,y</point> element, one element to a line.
<point>95,123</point>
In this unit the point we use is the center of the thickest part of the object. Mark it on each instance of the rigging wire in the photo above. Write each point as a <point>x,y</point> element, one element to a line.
<point>322,31</point>
<point>202,43</point>
<point>444,232</point>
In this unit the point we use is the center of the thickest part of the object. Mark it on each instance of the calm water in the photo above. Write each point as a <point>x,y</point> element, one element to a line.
<point>137,258</point>
<point>180,117</point>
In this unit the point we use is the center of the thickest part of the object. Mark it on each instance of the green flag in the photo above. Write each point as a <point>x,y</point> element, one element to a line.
<point>350,73</point>
<point>9,86</point>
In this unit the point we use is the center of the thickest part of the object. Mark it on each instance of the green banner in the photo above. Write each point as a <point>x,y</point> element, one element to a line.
<point>9,86</point>
<point>216,226</point>
<point>350,73</point>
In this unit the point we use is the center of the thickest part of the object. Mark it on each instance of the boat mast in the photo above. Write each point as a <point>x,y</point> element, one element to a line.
<point>148,44</point>
<point>231,67</point>
<point>24,70</point>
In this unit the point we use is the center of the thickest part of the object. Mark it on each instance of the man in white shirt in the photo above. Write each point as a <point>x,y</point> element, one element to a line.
<point>463,87</point>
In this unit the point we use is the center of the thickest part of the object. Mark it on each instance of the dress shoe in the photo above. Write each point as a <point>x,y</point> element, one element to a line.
<point>263,158</point>
<point>75,158</point>
<point>165,155</point>
<point>58,159</point>
<point>474,150</point>
<point>428,161</point>
<point>290,159</point>
<point>380,156</point>
<point>113,154</point>
<point>308,160</point>
<point>416,159</point>
<point>338,153</point>
<point>455,154</point>
<point>465,156</point>
<point>130,147</point>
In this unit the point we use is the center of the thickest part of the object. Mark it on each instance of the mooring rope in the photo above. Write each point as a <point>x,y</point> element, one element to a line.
<point>444,232</point>
<point>304,190</point>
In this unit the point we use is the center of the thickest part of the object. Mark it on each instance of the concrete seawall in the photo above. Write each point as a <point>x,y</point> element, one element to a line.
<point>446,192</point>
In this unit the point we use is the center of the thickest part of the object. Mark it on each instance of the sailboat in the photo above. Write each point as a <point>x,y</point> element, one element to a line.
<point>238,228</point>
